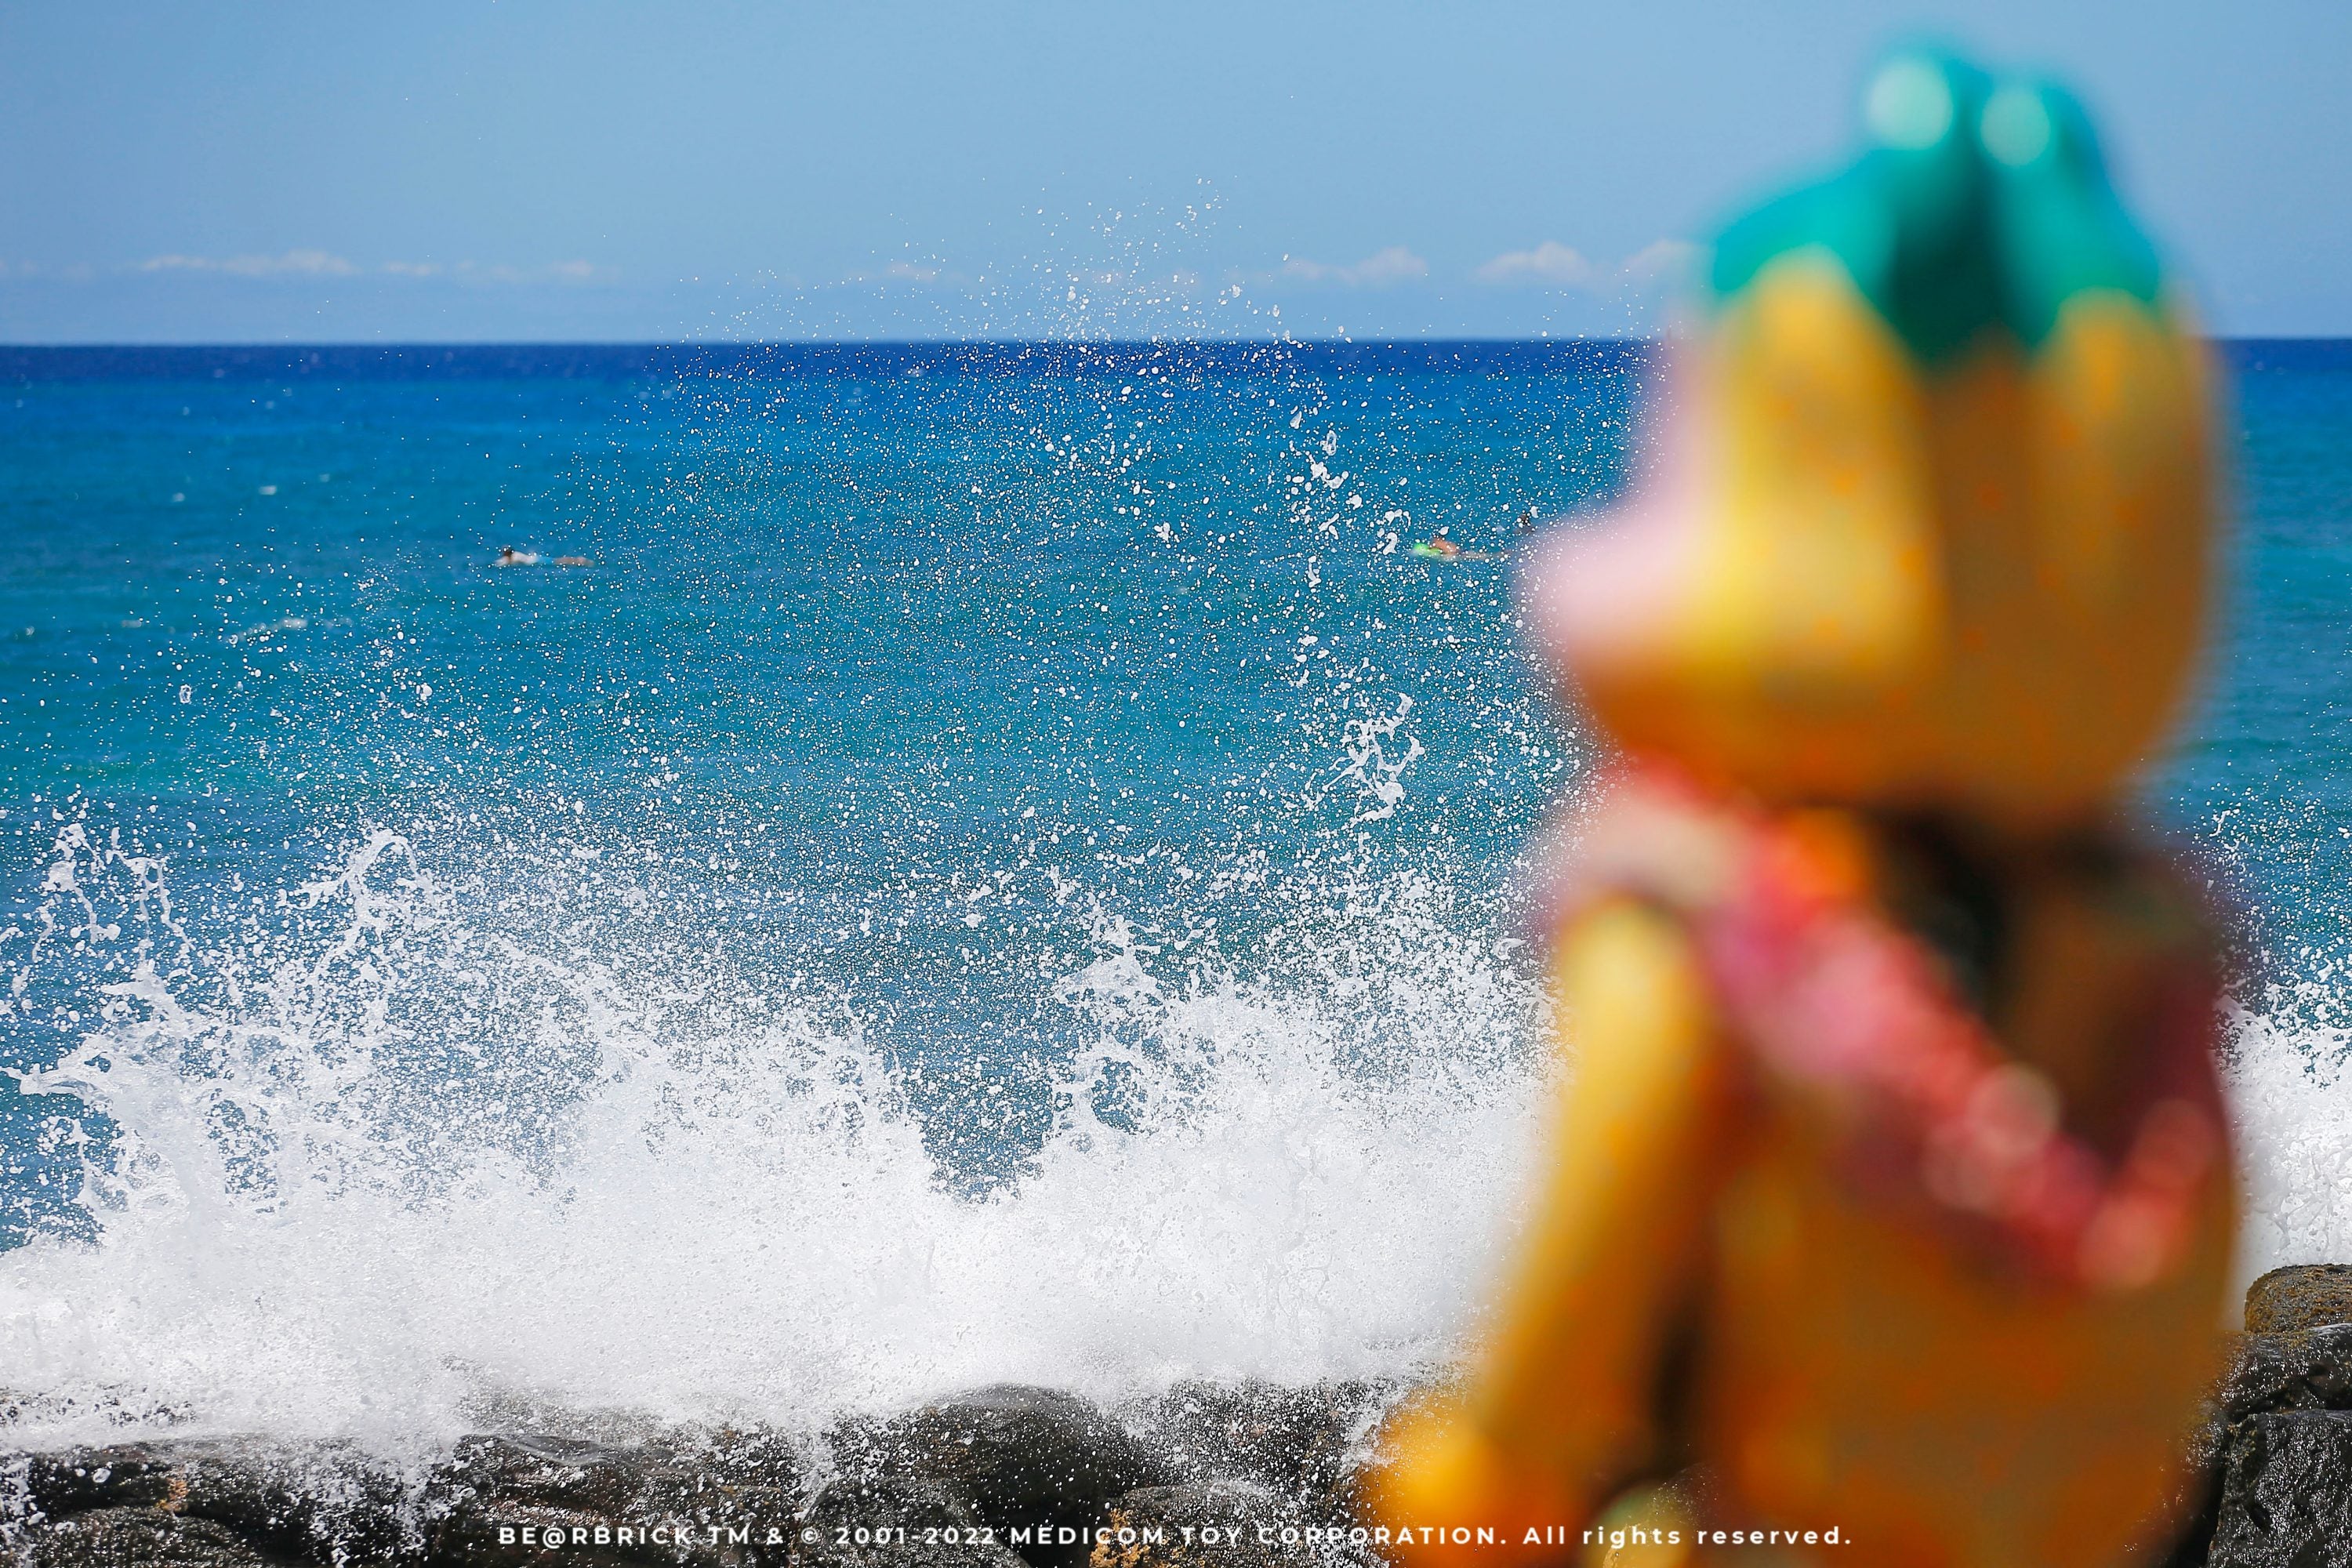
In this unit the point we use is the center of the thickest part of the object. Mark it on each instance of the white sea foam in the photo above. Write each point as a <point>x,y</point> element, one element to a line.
<point>2292,1101</point>
<point>415,1163</point>
<point>642,1184</point>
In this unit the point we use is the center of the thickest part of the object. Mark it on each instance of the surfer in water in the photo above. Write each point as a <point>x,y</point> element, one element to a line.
<point>1888,1203</point>
<point>510,556</point>
<point>1438,547</point>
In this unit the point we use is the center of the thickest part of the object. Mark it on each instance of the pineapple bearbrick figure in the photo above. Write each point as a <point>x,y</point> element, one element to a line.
<point>1889,1205</point>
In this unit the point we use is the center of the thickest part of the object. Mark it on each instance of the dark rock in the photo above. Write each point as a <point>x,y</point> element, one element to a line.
<point>318,1503</point>
<point>733,1479</point>
<point>1297,1442</point>
<point>554,1472</point>
<point>1203,1524</point>
<point>1022,1458</point>
<point>894,1519</point>
<point>497,1500</point>
<point>499,1533</point>
<point>2269,1373</point>
<point>2286,1499</point>
<point>81,1479</point>
<point>2309,1369</point>
<point>752,1458</point>
<point>325,1504</point>
<point>491,1503</point>
<point>139,1538</point>
<point>2274,1371</point>
<point>2300,1296</point>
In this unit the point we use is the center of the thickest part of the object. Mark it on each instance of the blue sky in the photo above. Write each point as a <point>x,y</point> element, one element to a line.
<point>570,169</point>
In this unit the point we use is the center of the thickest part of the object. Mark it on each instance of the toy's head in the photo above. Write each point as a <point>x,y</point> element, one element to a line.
<point>1931,524</point>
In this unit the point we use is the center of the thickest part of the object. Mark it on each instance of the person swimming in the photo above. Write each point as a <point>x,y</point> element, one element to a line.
<point>510,556</point>
<point>1440,547</point>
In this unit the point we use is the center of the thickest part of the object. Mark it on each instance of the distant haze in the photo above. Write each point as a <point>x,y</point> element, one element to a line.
<point>537,170</point>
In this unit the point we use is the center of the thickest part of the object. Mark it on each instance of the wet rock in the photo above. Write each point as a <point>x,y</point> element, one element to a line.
<point>2266,1373</point>
<point>2286,1497</point>
<point>505,1534</point>
<point>82,1479</point>
<point>2301,1295</point>
<point>706,1500</point>
<point>554,1472</point>
<point>1021,1457</point>
<point>506,1501</point>
<point>734,1480</point>
<point>320,1502</point>
<point>890,1518</point>
<point>2279,1372</point>
<point>139,1538</point>
<point>1298,1443</point>
<point>1203,1524</point>
<point>323,1504</point>
<point>2307,1370</point>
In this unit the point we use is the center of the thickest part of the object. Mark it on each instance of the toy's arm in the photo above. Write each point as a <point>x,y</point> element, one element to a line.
<point>1559,1409</point>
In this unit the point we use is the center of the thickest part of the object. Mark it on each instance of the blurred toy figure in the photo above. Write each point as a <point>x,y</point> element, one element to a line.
<point>1889,1199</point>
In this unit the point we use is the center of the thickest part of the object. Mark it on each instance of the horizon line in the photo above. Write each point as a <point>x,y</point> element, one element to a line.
<point>344,345</point>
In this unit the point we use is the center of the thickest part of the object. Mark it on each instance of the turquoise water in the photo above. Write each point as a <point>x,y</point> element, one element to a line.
<point>2264,773</point>
<point>998,863</point>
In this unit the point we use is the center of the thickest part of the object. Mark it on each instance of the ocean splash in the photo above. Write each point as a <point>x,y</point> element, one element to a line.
<point>398,1168</point>
<point>397,1162</point>
<point>2285,1070</point>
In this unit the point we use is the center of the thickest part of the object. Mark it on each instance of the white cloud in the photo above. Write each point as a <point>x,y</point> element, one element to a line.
<point>294,263</point>
<point>1379,271</point>
<point>1550,262</point>
<point>1554,265</point>
<point>903,272</point>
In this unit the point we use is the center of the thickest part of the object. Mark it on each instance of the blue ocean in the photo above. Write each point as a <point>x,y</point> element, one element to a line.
<point>740,882</point>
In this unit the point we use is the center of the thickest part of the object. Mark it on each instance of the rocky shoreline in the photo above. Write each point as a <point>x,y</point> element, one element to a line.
<point>1000,1477</point>
<point>1248,1476</point>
